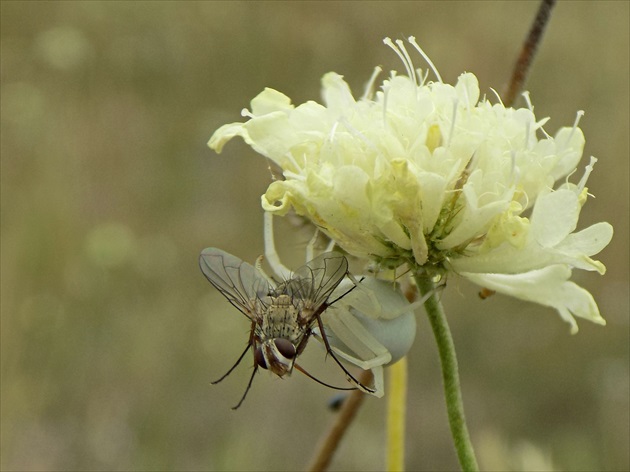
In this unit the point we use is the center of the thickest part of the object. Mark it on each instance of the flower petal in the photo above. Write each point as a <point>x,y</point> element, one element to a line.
<point>555,215</point>
<point>550,287</point>
<point>588,242</point>
<point>270,100</point>
<point>336,93</point>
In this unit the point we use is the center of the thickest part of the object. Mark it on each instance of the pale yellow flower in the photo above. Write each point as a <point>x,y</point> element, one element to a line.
<point>429,174</point>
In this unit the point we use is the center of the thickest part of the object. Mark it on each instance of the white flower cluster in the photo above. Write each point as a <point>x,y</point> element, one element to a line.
<point>429,174</point>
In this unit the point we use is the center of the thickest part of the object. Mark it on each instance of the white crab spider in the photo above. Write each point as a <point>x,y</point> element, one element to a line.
<point>371,327</point>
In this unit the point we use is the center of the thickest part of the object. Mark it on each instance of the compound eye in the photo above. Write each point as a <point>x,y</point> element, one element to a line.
<point>259,358</point>
<point>285,347</point>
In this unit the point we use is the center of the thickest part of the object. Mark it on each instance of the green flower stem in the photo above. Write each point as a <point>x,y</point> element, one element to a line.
<point>396,409</point>
<point>450,375</point>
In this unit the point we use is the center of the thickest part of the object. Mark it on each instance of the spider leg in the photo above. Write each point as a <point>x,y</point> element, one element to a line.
<point>369,353</point>
<point>310,247</point>
<point>310,376</point>
<point>252,330</point>
<point>414,305</point>
<point>329,350</point>
<point>270,250</point>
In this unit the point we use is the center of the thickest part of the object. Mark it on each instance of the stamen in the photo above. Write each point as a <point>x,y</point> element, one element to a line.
<point>413,42</point>
<point>369,87</point>
<point>547,135</point>
<point>245,113</point>
<point>527,131</point>
<point>389,42</point>
<point>492,193</point>
<point>587,173</point>
<point>333,130</point>
<point>386,88</point>
<point>526,205</point>
<point>496,94</point>
<point>452,130</point>
<point>412,71</point>
<point>467,98</point>
<point>297,166</point>
<point>294,176</point>
<point>528,101</point>
<point>579,115</point>
<point>422,77</point>
<point>568,177</point>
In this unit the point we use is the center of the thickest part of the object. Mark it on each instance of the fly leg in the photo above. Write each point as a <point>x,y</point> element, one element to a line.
<point>249,344</point>
<point>332,354</point>
<point>249,384</point>
<point>234,366</point>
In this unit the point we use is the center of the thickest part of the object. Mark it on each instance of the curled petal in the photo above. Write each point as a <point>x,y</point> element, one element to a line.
<point>336,92</point>
<point>224,134</point>
<point>550,287</point>
<point>270,100</point>
<point>588,242</point>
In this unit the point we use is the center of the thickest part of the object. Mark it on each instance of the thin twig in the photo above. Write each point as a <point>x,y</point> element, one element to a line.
<point>528,52</point>
<point>330,441</point>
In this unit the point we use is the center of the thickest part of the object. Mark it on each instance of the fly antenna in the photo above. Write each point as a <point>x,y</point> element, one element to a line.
<point>319,381</point>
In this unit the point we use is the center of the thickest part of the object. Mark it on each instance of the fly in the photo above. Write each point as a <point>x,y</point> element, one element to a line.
<point>283,316</point>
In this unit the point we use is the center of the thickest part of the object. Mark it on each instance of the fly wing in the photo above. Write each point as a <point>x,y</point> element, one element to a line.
<point>315,281</point>
<point>237,281</point>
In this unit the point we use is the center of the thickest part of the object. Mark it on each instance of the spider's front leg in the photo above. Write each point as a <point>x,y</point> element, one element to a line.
<point>273,259</point>
<point>329,350</point>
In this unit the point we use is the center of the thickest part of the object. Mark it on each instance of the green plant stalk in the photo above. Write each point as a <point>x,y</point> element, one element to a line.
<point>450,375</point>
<point>396,410</point>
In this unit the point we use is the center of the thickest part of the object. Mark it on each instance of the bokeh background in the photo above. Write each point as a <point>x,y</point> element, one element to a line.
<point>111,335</point>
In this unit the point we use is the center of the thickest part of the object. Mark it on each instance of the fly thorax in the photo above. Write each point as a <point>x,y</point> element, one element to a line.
<point>281,320</point>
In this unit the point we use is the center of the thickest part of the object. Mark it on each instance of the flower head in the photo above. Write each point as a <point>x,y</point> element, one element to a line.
<point>429,174</point>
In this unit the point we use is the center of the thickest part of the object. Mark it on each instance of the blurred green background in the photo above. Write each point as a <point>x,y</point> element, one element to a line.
<point>111,335</point>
